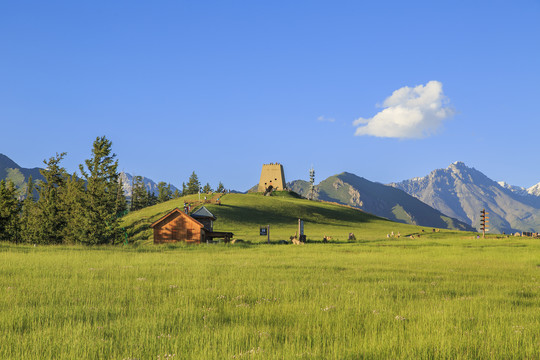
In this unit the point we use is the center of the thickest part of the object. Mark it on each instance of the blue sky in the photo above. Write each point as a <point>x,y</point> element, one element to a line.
<point>221,87</point>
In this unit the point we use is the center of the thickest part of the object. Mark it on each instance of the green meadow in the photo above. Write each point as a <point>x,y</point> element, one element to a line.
<point>440,296</point>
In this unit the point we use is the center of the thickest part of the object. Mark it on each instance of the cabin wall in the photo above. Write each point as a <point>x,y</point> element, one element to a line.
<point>179,228</point>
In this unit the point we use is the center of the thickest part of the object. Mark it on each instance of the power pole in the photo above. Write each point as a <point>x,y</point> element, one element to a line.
<point>311,182</point>
<point>484,222</point>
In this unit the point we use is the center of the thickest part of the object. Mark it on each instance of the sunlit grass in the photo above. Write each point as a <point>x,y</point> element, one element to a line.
<point>438,297</point>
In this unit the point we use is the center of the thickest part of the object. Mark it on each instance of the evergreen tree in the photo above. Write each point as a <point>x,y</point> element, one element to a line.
<point>100,223</point>
<point>193,185</point>
<point>207,189</point>
<point>74,203</point>
<point>121,202</point>
<point>151,198</point>
<point>28,214</point>
<point>9,212</point>
<point>50,217</point>
<point>176,194</point>
<point>220,188</point>
<point>139,195</point>
<point>164,192</point>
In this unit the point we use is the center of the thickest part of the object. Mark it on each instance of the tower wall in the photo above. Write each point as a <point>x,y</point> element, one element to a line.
<point>272,174</point>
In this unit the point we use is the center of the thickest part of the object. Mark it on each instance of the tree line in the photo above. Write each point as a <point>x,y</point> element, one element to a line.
<point>142,197</point>
<point>82,209</point>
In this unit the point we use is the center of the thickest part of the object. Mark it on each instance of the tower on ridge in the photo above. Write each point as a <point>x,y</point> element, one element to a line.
<point>272,177</point>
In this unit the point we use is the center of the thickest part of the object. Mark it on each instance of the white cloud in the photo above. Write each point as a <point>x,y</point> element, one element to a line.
<point>326,119</point>
<point>409,113</point>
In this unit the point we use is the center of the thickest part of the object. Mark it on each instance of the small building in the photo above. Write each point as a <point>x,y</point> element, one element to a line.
<point>176,226</point>
<point>205,217</point>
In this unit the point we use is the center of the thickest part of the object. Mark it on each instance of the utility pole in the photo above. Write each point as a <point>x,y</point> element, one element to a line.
<point>484,222</point>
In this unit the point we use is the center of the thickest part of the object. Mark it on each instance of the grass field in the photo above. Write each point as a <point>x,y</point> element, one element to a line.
<point>441,296</point>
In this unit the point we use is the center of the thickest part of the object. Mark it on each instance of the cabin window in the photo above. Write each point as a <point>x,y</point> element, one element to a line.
<point>189,233</point>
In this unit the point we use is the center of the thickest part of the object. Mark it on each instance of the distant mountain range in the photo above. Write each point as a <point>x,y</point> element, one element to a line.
<point>461,192</point>
<point>19,175</point>
<point>9,169</point>
<point>446,198</point>
<point>378,199</point>
<point>127,182</point>
<point>533,190</point>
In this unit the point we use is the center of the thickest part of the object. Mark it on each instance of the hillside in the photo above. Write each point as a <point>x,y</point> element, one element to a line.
<point>379,199</point>
<point>243,214</point>
<point>10,170</point>
<point>461,192</point>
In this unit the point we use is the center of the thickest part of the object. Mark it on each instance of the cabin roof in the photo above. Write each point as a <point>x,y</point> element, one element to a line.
<point>202,213</point>
<point>171,213</point>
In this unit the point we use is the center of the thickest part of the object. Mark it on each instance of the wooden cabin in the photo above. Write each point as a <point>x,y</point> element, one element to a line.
<point>178,226</point>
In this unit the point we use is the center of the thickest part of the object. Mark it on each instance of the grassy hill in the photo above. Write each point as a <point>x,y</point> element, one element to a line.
<point>243,214</point>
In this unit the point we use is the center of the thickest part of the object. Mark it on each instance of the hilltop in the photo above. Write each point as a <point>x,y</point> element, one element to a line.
<point>243,214</point>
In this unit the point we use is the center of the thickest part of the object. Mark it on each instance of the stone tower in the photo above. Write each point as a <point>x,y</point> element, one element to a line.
<point>272,175</point>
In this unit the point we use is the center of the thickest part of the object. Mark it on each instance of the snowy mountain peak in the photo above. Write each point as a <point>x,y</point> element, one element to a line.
<point>534,190</point>
<point>457,167</point>
<point>515,189</point>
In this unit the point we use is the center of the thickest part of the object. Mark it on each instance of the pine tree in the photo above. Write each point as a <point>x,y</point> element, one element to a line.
<point>151,198</point>
<point>121,202</point>
<point>184,189</point>
<point>28,214</point>
<point>74,202</point>
<point>193,185</point>
<point>164,192</point>
<point>50,217</point>
<point>207,189</point>
<point>100,223</point>
<point>9,212</point>
<point>176,194</point>
<point>220,188</point>
<point>139,195</point>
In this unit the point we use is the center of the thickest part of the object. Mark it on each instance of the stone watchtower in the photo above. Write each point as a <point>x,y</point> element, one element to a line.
<point>272,177</point>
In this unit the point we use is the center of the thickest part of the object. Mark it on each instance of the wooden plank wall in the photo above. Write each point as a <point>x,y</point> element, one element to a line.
<point>180,228</point>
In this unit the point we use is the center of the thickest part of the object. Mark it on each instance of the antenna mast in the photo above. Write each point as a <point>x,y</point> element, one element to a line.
<point>311,182</point>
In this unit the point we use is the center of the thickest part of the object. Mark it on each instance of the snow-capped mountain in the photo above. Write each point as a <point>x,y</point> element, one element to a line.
<point>127,183</point>
<point>461,192</point>
<point>534,190</point>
